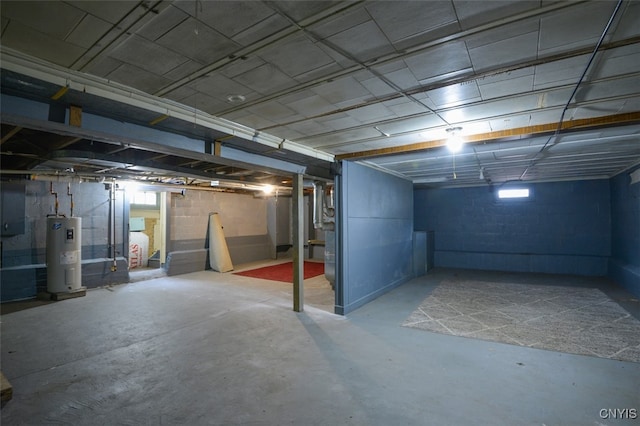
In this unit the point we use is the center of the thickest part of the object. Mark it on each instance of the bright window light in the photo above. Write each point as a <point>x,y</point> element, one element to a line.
<point>129,185</point>
<point>144,198</point>
<point>514,193</point>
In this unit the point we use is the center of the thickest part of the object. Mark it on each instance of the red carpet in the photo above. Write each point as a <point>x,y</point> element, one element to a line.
<point>284,272</point>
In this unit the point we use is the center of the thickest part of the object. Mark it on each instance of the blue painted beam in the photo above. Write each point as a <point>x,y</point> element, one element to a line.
<point>21,107</point>
<point>35,115</point>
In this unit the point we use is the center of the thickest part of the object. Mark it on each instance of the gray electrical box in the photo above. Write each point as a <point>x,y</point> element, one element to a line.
<point>431,250</point>
<point>13,201</point>
<point>136,224</point>
<point>419,253</point>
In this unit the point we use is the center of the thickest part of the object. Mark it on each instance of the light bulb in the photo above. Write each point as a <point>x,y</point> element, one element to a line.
<point>454,141</point>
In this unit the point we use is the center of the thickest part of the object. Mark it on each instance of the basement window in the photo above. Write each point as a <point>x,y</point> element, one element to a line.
<point>513,193</point>
<point>145,199</point>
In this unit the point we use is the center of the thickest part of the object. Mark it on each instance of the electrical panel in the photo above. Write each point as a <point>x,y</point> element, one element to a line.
<point>13,202</point>
<point>136,224</point>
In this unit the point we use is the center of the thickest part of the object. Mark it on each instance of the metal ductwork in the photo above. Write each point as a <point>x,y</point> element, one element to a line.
<point>323,207</point>
<point>324,219</point>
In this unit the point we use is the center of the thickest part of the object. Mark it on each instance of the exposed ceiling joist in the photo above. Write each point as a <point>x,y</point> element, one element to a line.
<point>11,133</point>
<point>84,83</point>
<point>586,123</point>
<point>304,83</point>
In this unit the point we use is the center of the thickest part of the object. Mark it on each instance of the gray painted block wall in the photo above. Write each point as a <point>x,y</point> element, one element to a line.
<point>279,224</point>
<point>564,228</point>
<point>244,221</point>
<point>624,264</point>
<point>23,271</point>
<point>254,227</point>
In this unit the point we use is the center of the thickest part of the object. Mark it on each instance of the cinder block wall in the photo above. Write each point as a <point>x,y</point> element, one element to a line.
<point>24,255</point>
<point>624,265</point>
<point>244,221</point>
<point>565,227</point>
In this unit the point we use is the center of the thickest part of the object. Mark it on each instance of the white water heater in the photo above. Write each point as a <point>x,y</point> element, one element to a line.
<point>64,249</point>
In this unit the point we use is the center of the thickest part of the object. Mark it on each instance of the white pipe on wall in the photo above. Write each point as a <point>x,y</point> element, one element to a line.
<point>318,204</point>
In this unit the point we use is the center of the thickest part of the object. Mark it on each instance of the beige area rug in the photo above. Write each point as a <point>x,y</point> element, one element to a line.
<point>574,320</point>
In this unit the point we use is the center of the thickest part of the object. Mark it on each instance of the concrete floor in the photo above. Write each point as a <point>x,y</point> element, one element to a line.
<point>220,349</point>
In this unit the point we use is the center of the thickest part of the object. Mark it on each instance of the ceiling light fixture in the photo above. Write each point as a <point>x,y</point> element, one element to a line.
<point>198,3</point>
<point>454,140</point>
<point>267,189</point>
<point>383,133</point>
<point>236,99</point>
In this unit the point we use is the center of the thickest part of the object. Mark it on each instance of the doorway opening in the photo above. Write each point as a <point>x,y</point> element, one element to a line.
<point>147,234</point>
